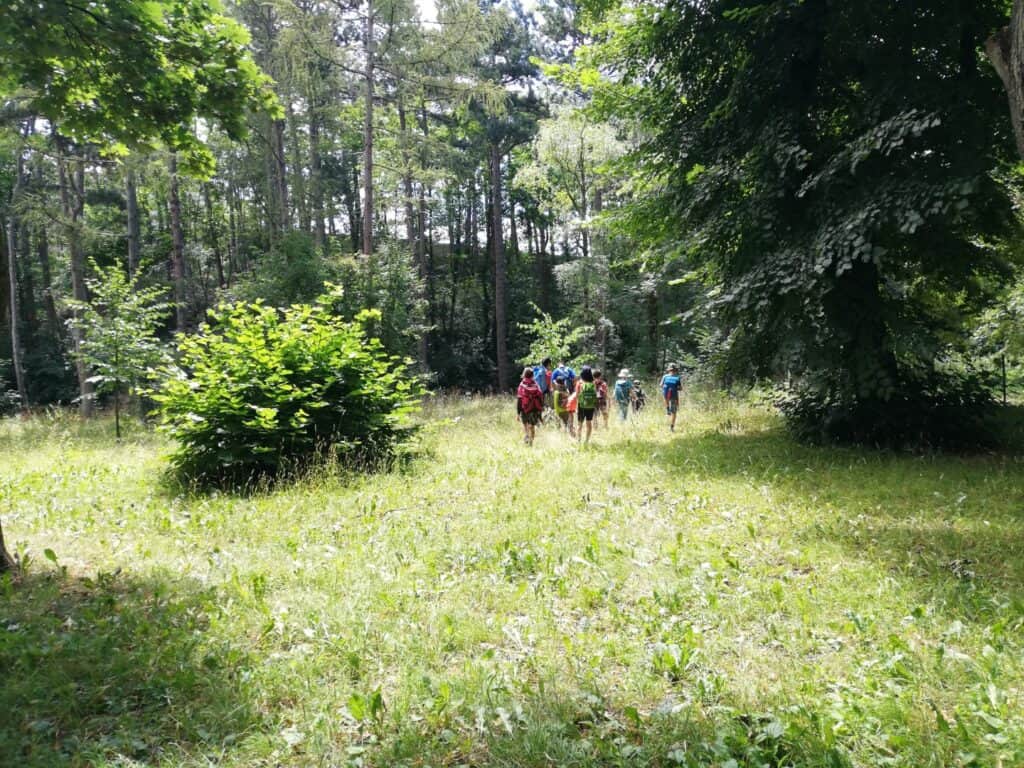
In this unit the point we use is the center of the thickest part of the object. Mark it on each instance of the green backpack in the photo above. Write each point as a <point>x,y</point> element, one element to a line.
<point>588,395</point>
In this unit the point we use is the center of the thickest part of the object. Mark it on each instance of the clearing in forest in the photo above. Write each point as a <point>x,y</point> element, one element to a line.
<point>720,596</point>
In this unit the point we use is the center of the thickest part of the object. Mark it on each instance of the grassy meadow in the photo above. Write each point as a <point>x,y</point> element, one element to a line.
<point>721,596</point>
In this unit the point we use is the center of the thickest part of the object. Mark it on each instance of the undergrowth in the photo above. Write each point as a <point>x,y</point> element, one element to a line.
<point>722,596</point>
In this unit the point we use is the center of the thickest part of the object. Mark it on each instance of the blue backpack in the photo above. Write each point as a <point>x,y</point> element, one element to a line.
<point>622,388</point>
<point>540,375</point>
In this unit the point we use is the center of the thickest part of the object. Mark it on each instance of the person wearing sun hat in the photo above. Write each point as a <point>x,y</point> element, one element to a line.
<point>670,385</point>
<point>624,392</point>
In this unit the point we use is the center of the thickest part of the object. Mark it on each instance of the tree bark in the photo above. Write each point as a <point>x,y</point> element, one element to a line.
<point>177,247</point>
<point>213,236</point>
<point>316,184</point>
<point>368,136</point>
<point>132,204</point>
<point>281,177</point>
<point>12,275</point>
<point>500,277</point>
<point>72,193</point>
<point>49,305</point>
<point>1005,50</point>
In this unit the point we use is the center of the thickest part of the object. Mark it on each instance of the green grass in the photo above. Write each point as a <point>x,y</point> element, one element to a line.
<point>721,596</point>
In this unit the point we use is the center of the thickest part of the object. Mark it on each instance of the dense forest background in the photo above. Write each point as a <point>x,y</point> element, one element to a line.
<point>818,196</point>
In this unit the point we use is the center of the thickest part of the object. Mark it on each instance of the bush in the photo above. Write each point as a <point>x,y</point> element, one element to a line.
<point>939,410</point>
<point>260,391</point>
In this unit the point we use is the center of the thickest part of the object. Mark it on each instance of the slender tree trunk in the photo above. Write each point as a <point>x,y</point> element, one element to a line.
<point>500,278</point>
<point>281,177</point>
<point>12,275</point>
<point>316,183</point>
<point>300,198</point>
<point>212,234</point>
<point>132,201</point>
<point>72,192</point>
<point>49,305</point>
<point>653,328</point>
<point>368,136</point>
<point>1005,50</point>
<point>177,247</point>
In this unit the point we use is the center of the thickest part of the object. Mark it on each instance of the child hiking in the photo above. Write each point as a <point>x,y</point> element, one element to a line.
<point>623,393</point>
<point>561,405</point>
<point>530,403</point>
<point>586,402</point>
<point>670,384</point>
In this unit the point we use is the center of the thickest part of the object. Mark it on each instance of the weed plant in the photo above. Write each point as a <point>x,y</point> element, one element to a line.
<point>723,596</point>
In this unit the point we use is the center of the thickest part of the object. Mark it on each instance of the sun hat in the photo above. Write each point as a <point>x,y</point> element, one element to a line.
<point>624,373</point>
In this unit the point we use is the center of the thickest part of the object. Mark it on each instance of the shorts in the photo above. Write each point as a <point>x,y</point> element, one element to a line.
<point>602,406</point>
<point>585,414</point>
<point>532,418</point>
<point>672,405</point>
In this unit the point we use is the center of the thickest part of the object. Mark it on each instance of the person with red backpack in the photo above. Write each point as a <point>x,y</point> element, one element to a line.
<point>530,404</point>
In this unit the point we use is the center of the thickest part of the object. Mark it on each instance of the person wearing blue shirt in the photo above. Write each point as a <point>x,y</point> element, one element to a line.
<point>540,375</point>
<point>670,384</point>
<point>563,373</point>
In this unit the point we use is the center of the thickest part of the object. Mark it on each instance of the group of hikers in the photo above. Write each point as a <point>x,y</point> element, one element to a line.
<point>578,401</point>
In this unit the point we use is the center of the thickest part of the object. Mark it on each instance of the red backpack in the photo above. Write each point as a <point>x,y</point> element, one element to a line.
<point>530,398</point>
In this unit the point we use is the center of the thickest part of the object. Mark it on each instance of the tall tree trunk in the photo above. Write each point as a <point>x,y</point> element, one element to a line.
<point>316,182</point>
<point>233,260</point>
<point>424,250</point>
<point>281,177</point>
<point>177,247</point>
<point>300,197</point>
<point>368,135</point>
<point>72,192</point>
<point>1005,50</point>
<point>213,235</point>
<point>500,277</point>
<point>132,204</point>
<point>12,275</point>
<point>653,327</point>
<point>49,305</point>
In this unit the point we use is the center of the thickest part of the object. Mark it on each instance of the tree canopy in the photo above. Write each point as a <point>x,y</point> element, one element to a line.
<point>130,72</point>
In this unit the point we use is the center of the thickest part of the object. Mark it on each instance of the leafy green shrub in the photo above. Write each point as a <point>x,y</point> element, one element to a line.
<point>260,390</point>
<point>290,272</point>
<point>941,409</point>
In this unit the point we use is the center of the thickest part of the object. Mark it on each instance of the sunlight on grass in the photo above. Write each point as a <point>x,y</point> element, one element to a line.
<point>720,594</point>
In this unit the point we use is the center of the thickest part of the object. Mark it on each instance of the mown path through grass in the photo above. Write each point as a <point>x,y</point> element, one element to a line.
<point>721,594</point>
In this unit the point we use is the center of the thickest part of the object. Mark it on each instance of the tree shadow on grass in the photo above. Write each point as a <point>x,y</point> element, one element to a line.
<point>114,668</point>
<point>955,521</point>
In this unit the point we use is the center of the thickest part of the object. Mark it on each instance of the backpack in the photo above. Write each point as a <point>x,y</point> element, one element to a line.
<point>530,399</point>
<point>622,387</point>
<point>540,375</point>
<point>588,395</point>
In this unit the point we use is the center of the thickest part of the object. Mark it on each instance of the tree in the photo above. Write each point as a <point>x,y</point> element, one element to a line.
<point>121,349</point>
<point>131,72</point>
<point>828,169</point>
<point>127,73</point>
<point>1005,50</point>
